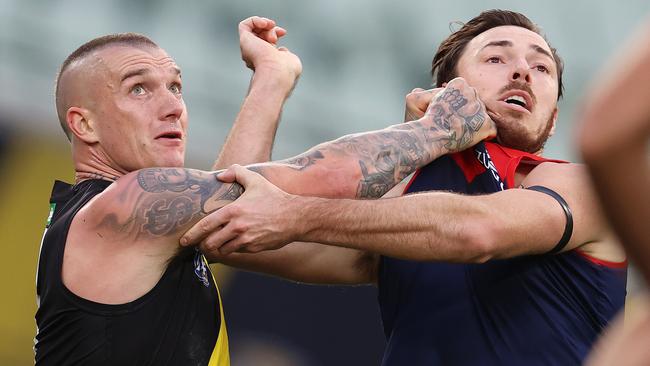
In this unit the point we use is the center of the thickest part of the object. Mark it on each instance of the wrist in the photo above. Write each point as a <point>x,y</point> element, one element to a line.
<point>274,76</point>
<point>307,218</point>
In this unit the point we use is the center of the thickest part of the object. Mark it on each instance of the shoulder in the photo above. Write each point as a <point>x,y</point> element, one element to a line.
<point>560,175</point>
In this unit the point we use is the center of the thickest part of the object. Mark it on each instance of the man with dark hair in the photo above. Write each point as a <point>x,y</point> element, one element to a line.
<point>114,286</point>
<point>520,267</point>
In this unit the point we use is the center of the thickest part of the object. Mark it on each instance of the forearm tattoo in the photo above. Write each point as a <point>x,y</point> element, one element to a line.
<point>167,199</point>
<point>388,156</point>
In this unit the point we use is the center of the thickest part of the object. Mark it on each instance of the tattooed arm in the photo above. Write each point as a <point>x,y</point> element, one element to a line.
<point>120,243</point>
<point>367,165</point>
<point>161,202</point>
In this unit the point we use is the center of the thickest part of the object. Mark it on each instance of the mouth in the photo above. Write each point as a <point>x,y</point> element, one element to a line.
<point>170,135</point>
<point>518,99</point>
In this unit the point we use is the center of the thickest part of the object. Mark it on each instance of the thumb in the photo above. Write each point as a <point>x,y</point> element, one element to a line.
<point>240,174</point>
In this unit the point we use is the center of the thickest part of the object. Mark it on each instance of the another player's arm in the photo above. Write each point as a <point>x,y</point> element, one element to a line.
<point>429,226</point>
<point>310,262</point>
<point>458,228</point>
<point>275,73</point>
<point>367,165</point>
<point>614,144</point>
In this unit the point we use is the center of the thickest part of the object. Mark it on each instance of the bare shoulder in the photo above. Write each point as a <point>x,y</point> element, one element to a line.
<point>131,230</point>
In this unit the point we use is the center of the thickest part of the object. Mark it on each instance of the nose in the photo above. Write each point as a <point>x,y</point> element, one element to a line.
<point>521,72</point>
<point>172,107</point>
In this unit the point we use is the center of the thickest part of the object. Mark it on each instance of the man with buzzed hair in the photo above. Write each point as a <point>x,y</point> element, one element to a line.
<point>507,262</point>
<point>114,286</point>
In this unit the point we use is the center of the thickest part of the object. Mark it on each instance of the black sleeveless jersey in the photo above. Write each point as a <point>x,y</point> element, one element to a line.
<point>178,322</point>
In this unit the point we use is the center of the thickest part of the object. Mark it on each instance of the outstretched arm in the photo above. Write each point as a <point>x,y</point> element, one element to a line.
<point>367,165</point>
<point>614,143</point>
<point>275,72</point>
<point>435,226</point>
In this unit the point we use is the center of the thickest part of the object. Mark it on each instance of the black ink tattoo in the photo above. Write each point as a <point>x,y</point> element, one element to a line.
<point>170,199</point>
<point>163,218</point>
<point>454,98</point>
<point>232,193</point>
<point>177,180</point>
<point>304,161</point>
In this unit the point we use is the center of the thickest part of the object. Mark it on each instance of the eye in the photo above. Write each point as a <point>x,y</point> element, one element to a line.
<point>176,88</point>
<point>541,68</point>
<point>494,60</point>
<point>138,89</point>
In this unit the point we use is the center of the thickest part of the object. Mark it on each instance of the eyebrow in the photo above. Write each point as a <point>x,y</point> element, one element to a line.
<point>143,71</point>
<point>506,43</point>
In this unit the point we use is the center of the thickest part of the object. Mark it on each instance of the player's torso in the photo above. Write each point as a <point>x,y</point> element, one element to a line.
<point>179,321</point>
<point>526,310</point>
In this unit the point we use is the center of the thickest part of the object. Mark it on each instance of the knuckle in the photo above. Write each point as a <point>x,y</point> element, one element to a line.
<point>239,227</point>
<point>206,246</point>
<point>204,225</point>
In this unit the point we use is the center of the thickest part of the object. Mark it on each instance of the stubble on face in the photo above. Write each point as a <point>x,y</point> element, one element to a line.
<point>511,131</point>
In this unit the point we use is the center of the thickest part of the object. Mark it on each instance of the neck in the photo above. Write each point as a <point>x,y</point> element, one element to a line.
<point>90,163</point>
<point>80,176</point>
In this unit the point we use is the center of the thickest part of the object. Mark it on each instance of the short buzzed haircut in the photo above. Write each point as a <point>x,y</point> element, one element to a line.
<point>128,39</point>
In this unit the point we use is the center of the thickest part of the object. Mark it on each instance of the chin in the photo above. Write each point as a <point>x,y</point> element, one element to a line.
<point>174,162</point>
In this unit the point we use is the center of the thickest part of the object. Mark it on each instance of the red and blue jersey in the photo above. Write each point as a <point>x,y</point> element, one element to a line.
<point>528,310</point>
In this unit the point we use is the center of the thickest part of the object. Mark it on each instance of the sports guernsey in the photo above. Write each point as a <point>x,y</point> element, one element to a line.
<point>178,322</point>
<point>529,310</point>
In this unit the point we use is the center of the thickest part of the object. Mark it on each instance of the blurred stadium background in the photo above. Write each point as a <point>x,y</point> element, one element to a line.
<point>360,58</point>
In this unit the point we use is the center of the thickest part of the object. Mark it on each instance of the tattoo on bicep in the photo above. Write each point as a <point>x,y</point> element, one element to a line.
<point>164,217</point>
<point>172,198</point>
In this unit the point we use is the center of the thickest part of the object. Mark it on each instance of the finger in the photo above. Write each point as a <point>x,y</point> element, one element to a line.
<point>235,245</point>
<point>244,176</point>
<point>422,98</point>
<point>280,32</point>
<point>260,23</point>
<point>205,226</point>
<point>269,36</point>
<point>416,90</point>
<point>247,24</point>
<point>283,49</point>
<point>215,240</point>
<point>493,115</point>
<point>228,175</point>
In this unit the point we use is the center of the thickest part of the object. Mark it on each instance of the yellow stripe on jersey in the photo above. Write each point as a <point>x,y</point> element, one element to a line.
<point>220,354</point>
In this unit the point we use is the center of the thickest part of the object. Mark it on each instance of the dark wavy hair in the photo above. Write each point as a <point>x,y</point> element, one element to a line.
<point>443,66</point>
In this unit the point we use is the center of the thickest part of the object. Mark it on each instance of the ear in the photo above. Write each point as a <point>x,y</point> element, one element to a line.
<point>555,113</point>
<point>81,125</point>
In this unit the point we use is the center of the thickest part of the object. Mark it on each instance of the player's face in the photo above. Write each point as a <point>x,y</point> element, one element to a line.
<point>140,112</point>
<point>515,75</point>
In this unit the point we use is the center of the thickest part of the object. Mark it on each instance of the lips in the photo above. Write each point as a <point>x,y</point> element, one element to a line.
<point>518,98</point>
<point>176,135</point>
